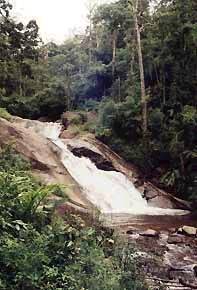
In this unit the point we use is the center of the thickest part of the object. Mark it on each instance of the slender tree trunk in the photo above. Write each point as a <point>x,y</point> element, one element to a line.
<point>156,74</point>
<point>97,38</point>
<point>164,86</point>
<point>90,41</point>
<point>114,40</point>
<point>20,83</point>
<point>141,68</point>
<point>91,5</point>
<point>119,89</point>
<point>68,91</point>
<point>132,73</point>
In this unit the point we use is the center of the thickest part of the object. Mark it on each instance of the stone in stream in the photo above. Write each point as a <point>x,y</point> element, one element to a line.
<point>189,231</point>
<point>131,231</point>
<point>188,283</point>
<point>150,233</point>
<point>176,239</point>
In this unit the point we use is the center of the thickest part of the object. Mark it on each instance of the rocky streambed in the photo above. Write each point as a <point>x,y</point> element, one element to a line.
<point>165,250</point>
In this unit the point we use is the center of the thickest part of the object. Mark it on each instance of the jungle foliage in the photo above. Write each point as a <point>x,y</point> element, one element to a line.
<point>39,250</point>
<point>99,70</point>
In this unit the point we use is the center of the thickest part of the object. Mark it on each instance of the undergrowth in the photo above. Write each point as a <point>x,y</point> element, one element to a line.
<point>41,251</point>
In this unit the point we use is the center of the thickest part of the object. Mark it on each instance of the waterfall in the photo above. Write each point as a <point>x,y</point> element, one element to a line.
<point>109,191</point>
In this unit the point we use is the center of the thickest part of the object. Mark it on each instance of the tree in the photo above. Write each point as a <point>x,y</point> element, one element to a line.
<point>91,6</point>
<point>136,12</point>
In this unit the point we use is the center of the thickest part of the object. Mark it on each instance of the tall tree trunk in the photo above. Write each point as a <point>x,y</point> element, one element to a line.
<point>98,40</point>
<point>90,41</point>
<point>119,89</point>
<point>68,91</point>
<point>91,5</point>
<point>20,82</point>
<point>114,40</point>
<point>132,72</point>
<point>164,85</point>
<point>141,68</point>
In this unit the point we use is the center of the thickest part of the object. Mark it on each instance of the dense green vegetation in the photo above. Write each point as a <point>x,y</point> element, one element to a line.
<point>135,66</point>
<point>39,250</point>
<point>102,74</point>
<point>100,70</point>
<point>26,87</point>
<point>167,152</point>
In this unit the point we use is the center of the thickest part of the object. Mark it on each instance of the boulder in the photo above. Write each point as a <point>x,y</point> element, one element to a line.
<point>150,233</point>
<point>68,134</point>
<point>161,202</point>
<point>99,160</point>
<point>129,232</point>
<point>187,230</point>
<point>176,239</point>
<point>188,283</point>
<point>159,198</point>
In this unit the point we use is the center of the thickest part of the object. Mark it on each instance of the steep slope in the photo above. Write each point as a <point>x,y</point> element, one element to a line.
<point>96,174</point>
<point>42,154</point>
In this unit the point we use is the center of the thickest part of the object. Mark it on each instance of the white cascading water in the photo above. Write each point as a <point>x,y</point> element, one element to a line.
<point>109,191</point>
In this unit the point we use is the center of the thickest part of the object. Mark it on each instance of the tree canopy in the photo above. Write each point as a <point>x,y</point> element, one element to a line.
<point>39,79</point>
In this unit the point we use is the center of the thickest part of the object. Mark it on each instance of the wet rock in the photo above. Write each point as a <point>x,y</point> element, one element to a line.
<point>150,233</point>
<point>188,283</point>
<point>41,154</point>
<point>134,237</point>
<point>100,161</point>
<point>187,230</point>
<point>161,202</point>
<point>176,239</point>
<point>68,134</point>
<point>131,231</point>
<point>172,230</point>
<point>178,274</point>
<point>159,198</point>
<point>150,194</point>
<point>141,189</point>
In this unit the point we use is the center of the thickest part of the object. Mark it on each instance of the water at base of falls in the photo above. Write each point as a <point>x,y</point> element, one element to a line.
<point>109,191</point>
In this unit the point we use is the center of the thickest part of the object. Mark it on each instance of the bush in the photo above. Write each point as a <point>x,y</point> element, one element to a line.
<point>4,114</point>
<point>74,118</point>
<point>78,118</point>
<point>40,251</point>
<point>90,127</point>
<point>167,151</point>
<point>107,114</point>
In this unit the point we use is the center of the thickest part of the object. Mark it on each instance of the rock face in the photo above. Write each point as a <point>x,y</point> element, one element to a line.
<point>100,161</point>
<point>105,159</point>
<point>45,160</point>
<point>176,239</point>
<point>68,134</point>
<point>42,155</point>
<point>159,198</point>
